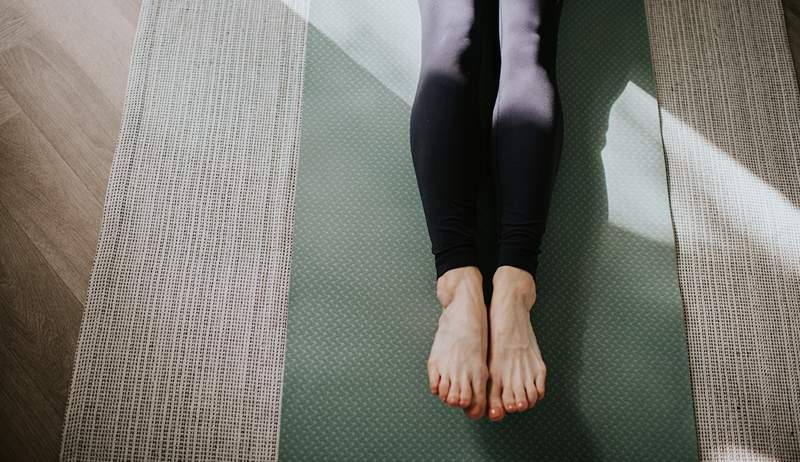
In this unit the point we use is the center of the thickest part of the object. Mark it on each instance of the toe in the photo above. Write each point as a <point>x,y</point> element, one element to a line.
<point>531,393</point>
<point>444,387</point>
<point>520,397</point>
<point>474,411</point>
<point>465,394</point>
<point>453,396</point>
<point>540,378</point>
<point>433,380</point>
<point>495,402</point>
<point>477,407</point>
<point>509,402</point>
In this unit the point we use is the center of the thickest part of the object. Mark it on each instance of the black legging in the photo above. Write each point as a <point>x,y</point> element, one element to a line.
<point>526,129</point>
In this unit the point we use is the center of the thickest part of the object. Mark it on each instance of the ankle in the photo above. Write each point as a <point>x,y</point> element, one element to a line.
<point>515,283</point>
<point>465,280</point>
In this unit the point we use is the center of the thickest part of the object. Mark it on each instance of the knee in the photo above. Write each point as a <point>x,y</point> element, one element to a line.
<point>520,44</point>
<point>450,43</point>
<point>529,30</point>
<point>521,19</point>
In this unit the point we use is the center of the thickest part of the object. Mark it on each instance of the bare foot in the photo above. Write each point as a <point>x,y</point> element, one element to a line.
<point>457,368</point>
<point>516,369</point>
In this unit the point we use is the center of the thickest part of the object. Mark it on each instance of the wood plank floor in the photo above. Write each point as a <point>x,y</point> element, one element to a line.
<point>63,73</point>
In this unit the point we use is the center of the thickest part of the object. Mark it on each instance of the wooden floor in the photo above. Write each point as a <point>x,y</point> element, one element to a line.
<point>63,72</point>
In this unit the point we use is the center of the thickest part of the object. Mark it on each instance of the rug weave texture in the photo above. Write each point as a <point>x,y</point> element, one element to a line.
<point>181,349</point>
<point>731,128</point>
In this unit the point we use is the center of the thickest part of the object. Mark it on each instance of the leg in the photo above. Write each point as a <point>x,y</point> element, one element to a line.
<point>443,123</point>
<point>526,128</point>
<point>526,132</point>
<point>443,127</point>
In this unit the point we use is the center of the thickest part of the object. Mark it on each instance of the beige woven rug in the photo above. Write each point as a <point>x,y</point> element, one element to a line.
<point>731,129</point>
<point>182,344</point>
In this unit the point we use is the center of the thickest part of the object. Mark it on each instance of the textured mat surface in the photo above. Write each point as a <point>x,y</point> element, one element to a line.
<point>181,347</point>
<point>731,128</point>
<point>362,307</point>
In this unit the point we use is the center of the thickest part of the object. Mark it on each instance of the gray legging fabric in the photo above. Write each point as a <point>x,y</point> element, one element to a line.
<point>526,129</point>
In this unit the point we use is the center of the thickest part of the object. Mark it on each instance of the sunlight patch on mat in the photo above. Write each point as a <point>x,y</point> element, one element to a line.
<point>633,121</point>
<point>633,160</point>
<point>382,37</point>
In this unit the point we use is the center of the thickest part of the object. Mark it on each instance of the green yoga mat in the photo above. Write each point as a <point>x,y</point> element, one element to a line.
<point>362,306</point>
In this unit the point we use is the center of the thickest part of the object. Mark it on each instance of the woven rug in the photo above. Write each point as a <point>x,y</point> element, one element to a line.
<point>182,344</point>
<point>731,128</point>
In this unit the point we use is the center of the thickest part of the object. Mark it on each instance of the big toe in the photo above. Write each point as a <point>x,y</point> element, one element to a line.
<point>496,411</point>
<point>478,406</point>
<point>475,410</point>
